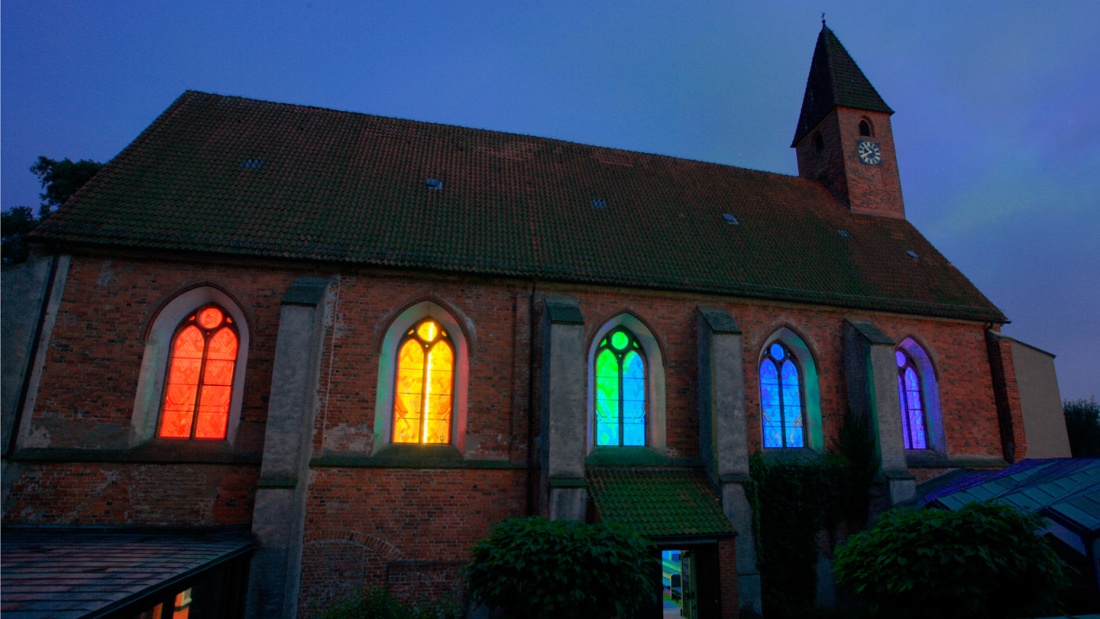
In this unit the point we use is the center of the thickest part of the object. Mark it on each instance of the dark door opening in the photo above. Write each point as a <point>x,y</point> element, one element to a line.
<point>689,582</point>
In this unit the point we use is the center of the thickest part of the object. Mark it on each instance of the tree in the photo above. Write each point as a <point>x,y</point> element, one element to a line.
<point>60,179</point>
<point>534,568</point>
<point>984,560</point>
<point>16,224</point>
<point>1083,427</point>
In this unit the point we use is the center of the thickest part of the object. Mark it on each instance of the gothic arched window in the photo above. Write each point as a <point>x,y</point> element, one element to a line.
<point>781,398</point>
<point>423,401</point>
<point>865,128</point>
<point>620,376</point>
<point>201,367</point>
<point>912,402</point>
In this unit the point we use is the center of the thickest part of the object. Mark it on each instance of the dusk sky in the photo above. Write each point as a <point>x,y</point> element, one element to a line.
<point>997,103</point>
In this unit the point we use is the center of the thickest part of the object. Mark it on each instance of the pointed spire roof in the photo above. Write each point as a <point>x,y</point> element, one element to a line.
<point>835,81</point>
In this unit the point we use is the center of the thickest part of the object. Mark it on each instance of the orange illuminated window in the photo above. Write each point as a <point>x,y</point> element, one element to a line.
<point>199,386</point>
<point>425,385</point>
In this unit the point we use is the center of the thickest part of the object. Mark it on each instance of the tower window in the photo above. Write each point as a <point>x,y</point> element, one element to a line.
<point>865,128</point>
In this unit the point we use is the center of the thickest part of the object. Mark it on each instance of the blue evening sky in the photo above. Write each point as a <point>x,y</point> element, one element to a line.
<point>997,103</point>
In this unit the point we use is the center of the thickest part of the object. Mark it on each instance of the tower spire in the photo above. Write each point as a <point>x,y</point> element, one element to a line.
<point>835,80</point>
<point>843,138</point>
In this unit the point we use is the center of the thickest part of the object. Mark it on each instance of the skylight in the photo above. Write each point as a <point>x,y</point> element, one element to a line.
<point>599,203</point>
<point>730,219</point>
<point>844,234</point>
<point>912,254</point>
<point>434,183</point>
<point>252,164</point>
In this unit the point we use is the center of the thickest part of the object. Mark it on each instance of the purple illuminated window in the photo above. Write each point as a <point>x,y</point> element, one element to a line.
<point>912,403</point>
<point>781,399</point>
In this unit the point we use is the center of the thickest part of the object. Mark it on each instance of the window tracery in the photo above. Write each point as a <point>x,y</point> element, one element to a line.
<point>781,398</point>
<point>425,385</point>
<point>620,377</point>
<point>201,366</point>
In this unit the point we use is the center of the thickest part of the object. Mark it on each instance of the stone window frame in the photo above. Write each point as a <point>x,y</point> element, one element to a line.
<point>460,329</point>
<point>810,390</point>
<point>655,415</point>
<point>149,395</point>
<point>930,393</point>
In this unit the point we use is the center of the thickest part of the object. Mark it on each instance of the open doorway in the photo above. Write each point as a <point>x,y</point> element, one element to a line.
<point>689,581</point>
<point>678,582</point>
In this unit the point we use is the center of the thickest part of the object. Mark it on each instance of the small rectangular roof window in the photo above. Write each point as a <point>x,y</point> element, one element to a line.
<point>912,254</point>
<point>844,234</point>
<point>599,203</point>
<point>730,219</point>
<point>252,164</point>
<point>434,183</point>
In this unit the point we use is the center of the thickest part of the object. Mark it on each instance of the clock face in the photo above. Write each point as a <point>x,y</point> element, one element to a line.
<point>869,153</point>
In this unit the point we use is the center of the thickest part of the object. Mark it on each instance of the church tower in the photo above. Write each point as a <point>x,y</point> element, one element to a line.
<point>843,137</point>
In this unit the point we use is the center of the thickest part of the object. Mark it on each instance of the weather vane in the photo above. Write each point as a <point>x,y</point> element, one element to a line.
<point>822,18</point>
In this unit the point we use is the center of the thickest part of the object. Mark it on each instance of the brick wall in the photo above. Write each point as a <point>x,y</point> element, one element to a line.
<point>374,527</point>
<point>139,494</point>
<point>868,189</point>
<point>407,528</point>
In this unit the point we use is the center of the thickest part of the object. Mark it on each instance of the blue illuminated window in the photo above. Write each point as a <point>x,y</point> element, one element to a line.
<point>620,390</point>
<point>781,398</point>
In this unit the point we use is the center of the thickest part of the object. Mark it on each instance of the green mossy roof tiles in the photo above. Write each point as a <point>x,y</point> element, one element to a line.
<point>227,175</point>
<point>658,502</point>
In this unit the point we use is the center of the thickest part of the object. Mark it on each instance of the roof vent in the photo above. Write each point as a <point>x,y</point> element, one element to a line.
<point>844,234</point>
<point>912,254</point>
<point>252,164</point>
<point>730,219</point>
<point>434,183</point>
<point>599,203</point>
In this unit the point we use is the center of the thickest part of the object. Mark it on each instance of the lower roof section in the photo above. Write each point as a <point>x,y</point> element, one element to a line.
<point>658,502</point>
<point>82,572</point>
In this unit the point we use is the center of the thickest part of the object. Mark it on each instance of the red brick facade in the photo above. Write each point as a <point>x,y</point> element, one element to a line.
<point>401,526</point>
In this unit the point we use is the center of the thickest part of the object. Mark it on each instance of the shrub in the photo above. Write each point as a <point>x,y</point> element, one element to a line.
<point>380,604</point>
<point>536,568</point>
<point>1083,427</point>
<point>984,560</point>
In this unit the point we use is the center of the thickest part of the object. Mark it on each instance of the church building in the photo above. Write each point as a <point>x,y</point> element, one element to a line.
<point>272,354</point>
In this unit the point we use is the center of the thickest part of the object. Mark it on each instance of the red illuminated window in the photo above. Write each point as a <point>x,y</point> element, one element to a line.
<point>199,386</point>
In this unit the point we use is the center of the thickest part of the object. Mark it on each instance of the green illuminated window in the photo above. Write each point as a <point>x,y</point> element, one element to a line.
<point>620,390</point>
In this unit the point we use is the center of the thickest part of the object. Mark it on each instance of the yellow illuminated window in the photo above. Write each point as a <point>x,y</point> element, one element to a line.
<point>425,384</point>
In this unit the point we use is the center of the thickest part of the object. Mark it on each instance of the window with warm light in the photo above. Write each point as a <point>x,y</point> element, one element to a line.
<point>781,398</point>
<point>620,376</point>
<point>201,367</point>
<point>422,404</point>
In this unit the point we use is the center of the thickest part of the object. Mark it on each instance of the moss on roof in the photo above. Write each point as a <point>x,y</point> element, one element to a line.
<point>236,176</point>
<point>658,502</point>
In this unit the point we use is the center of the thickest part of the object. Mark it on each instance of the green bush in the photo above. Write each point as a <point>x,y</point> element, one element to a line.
<point>533,568</point>
<point>380,604</point>
<point>1083,427</point>
<point>984,560</point>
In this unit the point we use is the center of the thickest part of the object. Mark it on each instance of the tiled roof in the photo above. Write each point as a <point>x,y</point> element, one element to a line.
<point>71,573</point>
<point>658,502</point>
<point>239,176</point>
<point>835,81</point>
